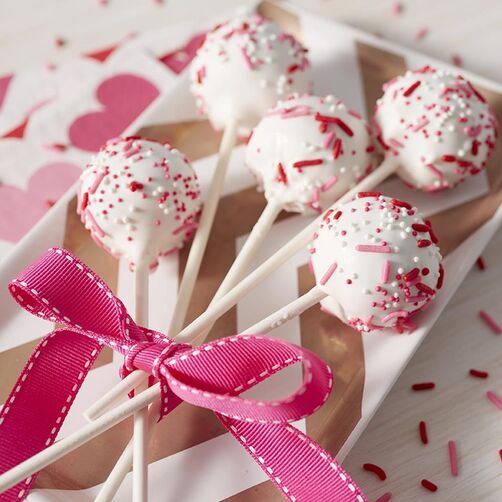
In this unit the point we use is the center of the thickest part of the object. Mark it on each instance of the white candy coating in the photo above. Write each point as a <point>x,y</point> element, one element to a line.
<point>139,199</point>
<point>376,259</point>
<point>244,66</point>
<point>436,123</point>
<point>336,141</point>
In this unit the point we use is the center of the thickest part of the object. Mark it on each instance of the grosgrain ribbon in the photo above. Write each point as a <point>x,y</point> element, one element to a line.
<point>60,288</point>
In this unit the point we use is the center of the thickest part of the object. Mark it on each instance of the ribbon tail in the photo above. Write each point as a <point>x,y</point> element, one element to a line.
<point>37,406</point>
<point>298,466</point>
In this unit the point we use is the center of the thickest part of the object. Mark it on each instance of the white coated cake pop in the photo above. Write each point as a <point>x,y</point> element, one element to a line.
<point>243,67</point>
<point>308,151</point>
<point>377,258</point>
<point>438,125</point>
<point>139,199</point>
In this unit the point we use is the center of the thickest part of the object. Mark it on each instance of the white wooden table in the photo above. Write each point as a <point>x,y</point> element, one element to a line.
<point>457,409</point>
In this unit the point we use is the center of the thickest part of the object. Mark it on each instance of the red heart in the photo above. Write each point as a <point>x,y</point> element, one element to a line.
<point>21,209</point>
<point>179,59</point>
<point>124,97</point>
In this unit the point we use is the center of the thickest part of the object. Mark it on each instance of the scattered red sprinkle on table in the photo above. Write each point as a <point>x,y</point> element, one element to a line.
<point>375,469</point>
<point>423,386</point>
<point>429,485</point>
<point>452,453</point>
<point>422,428</point>
<point>421,34</point>
<point>478,373</point>
<point>480,263</point>
<point>500,455</point>
<point>384,498</point>
<point>456,60</point>
<point>490,322</point>
<point>494,399</point>
<point>59,42</point>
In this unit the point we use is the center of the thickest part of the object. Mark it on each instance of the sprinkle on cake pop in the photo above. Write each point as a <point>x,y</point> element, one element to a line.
<point>139,199</point>
<point>438,125</point>
<point>244,66</point>
<point>378,260</point>
<point>308,151</point>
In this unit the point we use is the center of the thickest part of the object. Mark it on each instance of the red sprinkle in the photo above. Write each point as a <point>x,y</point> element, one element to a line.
<point>434,238</point>
<point>419,227</point>
<point>85,201</point>
<point>456,60</point>
<point>408,92</point>
<point>59,42</point>
<point>478,373</point>
<point>421,33</point>
<point>361,195</point>
<point>423,386</point>
<point>429,485</point>
<point>282,174</point>
<point>448,158</point>
<point>424,288</point>
<point>439,284</point>
<point>375,469</point>
<point>412,274</point>
<point>337,215</point>
<point>422,428</point>
<point>401,203</point>
<point>480,263</point>
<point>385,497</point>
<point>293,68</point>
<point>474,147</point>
<point>134,185</point>
<point>306,163</point>
<point>452,451</point>
<point>424,243</point>
<point>490,322</point>
<point>500,454</point>
<point>334,120</point>
<point>337,148</point>
<point>478,95</point>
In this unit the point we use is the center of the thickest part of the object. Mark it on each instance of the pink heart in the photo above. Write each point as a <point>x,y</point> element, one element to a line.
<point>124,97</point>
<point>21,209</point>
<point>179,59</point>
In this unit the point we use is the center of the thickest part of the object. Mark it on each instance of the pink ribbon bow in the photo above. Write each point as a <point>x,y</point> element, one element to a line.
<point>59,288</point>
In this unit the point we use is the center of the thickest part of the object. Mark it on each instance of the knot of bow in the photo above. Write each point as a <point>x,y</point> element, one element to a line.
<point>60,288</point>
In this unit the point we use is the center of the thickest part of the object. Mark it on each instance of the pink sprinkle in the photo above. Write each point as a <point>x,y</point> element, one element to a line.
<point>421,124</point>
<point>435,170</point>
<point>368,248</point>
<point>397,8</point>
<point>473,131</point>
<point>413,299</point>
<point>385,271</point>
<point>97,181</point>
<point>329,138</point>
<point>330,183</point>
<point>490,322</point>
<point>397,313</point>
<point>132,151</point>
<point>395,143</point>
<point>384,498</point>
<point>355,114</point>
<point>421,34</point>
<point>494,399</point>
<point>452,451</point>
<point>94,223</point>
<point>247,59</point>
<point>326,277</point>
<point>184,227</point>
<point>299,113</point>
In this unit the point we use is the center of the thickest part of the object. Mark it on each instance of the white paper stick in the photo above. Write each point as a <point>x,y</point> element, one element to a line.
<point>140,430</point>
<point>124,463</point>
<point>194,332</point>
<point>284,314</point>
<point>202,235</point>
<point>78,438</point>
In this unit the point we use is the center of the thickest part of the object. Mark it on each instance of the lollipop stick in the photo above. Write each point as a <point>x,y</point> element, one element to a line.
<point>78,438</point>
<point>140,434</point>
<point>202,235</point>
<point>124,463</point>
<point>251,246</point>
<point>194,331</point>
<point>284,314</point>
